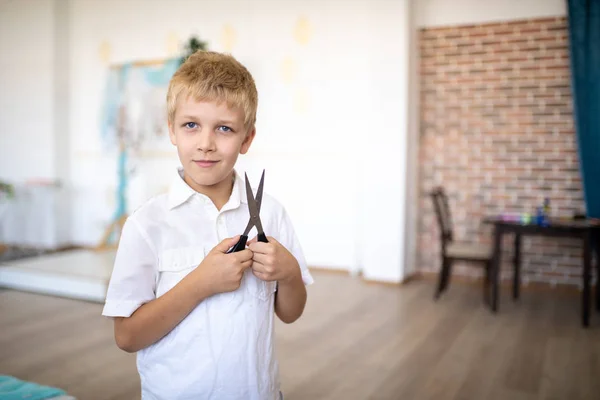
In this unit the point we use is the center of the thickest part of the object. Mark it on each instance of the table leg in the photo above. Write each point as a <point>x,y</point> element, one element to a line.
<point>496,262</point>
<point>587,266</point>
<point>517,267</point>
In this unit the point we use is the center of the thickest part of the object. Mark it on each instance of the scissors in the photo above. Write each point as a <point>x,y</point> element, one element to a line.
<point>254,210</point>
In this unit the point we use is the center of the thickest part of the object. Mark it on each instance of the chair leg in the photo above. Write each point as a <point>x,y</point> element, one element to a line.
<point>444,277</point>
<point>486,282</point>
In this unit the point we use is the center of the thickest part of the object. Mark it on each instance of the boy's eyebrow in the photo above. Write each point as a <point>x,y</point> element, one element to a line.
<point>226,121</point>
<point>186,117</point>
<point>220,121</point>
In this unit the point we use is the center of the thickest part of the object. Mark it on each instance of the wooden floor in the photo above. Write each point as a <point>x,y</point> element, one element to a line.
<point>355,341</point>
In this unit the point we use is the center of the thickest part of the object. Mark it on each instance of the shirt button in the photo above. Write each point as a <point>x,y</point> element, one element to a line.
<point>221,228</point>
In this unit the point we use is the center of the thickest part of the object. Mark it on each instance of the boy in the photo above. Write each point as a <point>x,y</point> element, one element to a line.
<point>202,320</point>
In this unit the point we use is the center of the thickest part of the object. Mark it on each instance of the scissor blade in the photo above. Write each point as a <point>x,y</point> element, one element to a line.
<point>253,207</point>
<point>259,193</point>
<point>248,227</point>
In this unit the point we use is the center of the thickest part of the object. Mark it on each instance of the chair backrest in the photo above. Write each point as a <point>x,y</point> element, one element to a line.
<point>442,211</point>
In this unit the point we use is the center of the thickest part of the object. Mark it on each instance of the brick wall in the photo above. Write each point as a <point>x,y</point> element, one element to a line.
<point>497,131</point>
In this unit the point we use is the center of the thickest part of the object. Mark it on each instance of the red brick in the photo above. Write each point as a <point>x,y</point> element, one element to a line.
<point>497,131</point>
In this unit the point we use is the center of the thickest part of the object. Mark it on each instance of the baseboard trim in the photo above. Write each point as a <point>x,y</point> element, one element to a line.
<point>330,270</point>
<point>379,282</point>
<point>459,279</point>
<point>368,281</point>
<point>505,283</point>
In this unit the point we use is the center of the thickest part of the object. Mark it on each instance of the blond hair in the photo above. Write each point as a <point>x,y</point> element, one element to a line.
<point>212,76</point>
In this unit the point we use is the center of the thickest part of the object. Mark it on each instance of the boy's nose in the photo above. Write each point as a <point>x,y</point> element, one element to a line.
<point>206,141</point>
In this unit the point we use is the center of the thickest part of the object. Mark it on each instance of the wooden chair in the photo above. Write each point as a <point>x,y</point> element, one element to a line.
<point>479,254</point>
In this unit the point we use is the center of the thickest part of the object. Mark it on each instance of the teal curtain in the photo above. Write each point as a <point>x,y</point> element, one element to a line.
<point>584,44</point>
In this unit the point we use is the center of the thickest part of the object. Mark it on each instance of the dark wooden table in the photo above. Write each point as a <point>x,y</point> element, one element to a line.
<point>586,230</point>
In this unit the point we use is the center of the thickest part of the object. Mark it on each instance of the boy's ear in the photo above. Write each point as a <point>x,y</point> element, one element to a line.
<point>248,140</point>
<point>172,134</point>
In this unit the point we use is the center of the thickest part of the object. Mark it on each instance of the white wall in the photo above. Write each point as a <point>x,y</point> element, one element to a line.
<point>332,136</point>
<point>26,90</point>
<point>337,131</point>
<point>459,12</point>
<point>34,134</point>
<point>412,148</point>
<point>62,233</point>
<point>384,176</point>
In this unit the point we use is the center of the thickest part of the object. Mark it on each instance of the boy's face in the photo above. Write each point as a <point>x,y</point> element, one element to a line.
<point>209,136</point>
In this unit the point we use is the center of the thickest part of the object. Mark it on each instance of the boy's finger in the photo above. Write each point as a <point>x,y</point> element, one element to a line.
<point>263,268</point>
<point>260,247</point>
<point>258,267</point>
<point>260,258</point>
<point>260,275</point>
<point>226,244</point>
<point>271,239</point>
<point>244,255</point>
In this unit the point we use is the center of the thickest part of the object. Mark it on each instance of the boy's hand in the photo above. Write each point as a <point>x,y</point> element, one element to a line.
<point>272,261</point>
<point>221,272</point>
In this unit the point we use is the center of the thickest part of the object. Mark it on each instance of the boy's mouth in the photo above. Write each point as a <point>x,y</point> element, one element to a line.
<point>205,163</point>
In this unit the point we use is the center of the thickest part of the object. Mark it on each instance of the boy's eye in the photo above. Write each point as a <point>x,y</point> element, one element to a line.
<point>190,125</point>
<point>224,128</point>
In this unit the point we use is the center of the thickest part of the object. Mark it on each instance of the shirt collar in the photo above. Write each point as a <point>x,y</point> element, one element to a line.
<point>180,192</point>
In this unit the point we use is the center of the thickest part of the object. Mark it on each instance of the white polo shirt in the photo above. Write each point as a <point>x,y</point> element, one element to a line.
<point>224,349</point>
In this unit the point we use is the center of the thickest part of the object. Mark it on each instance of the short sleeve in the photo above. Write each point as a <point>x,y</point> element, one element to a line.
<point>290,241</point>
<point>133,279</point>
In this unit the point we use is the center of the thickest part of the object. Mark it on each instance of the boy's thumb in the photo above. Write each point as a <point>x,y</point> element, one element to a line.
<point>226,244</point>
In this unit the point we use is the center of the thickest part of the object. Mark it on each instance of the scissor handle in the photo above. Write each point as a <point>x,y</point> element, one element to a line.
<point>239,246</point>
<point>262,238</point>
